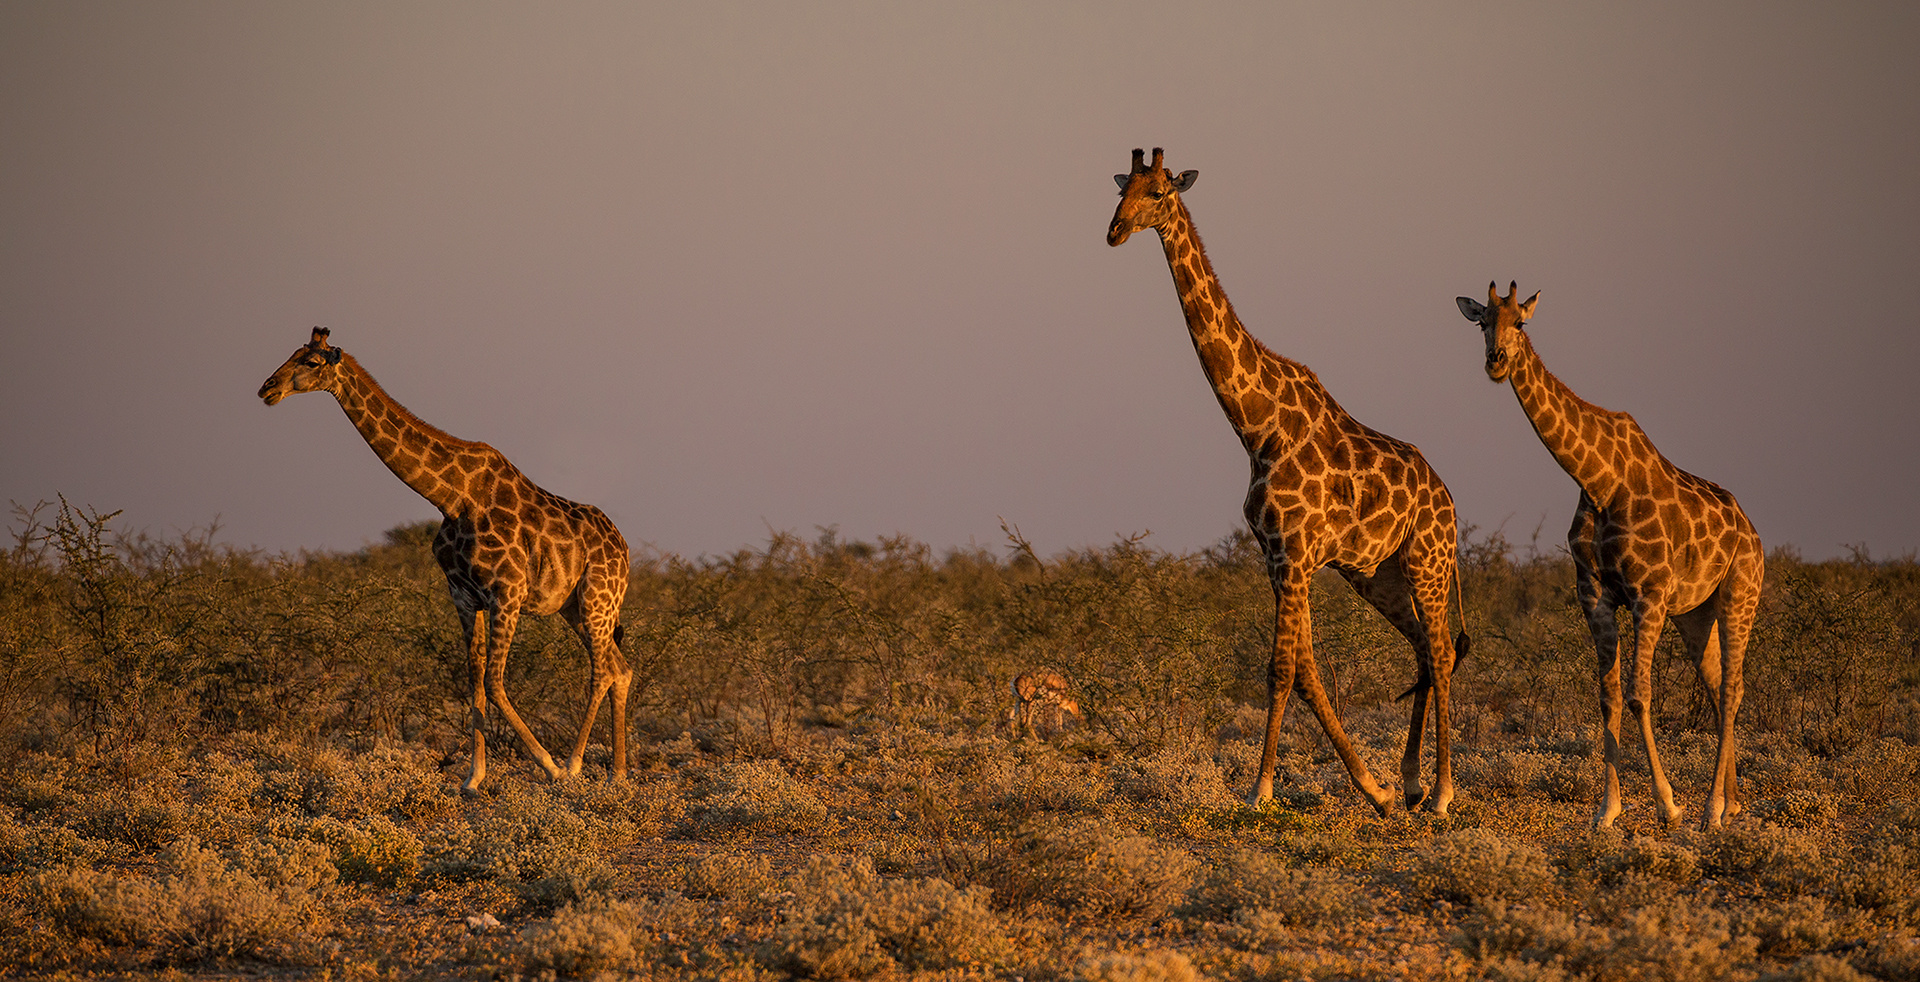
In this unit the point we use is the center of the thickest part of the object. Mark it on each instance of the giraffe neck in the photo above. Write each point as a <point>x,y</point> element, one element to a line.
<point>1272,402</point>
<point>431,462</point>
<point>1590,443</point>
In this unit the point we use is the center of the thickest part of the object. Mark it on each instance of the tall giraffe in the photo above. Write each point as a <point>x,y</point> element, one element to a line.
<point>1327,491</point>
<point>1646,536</point>
<point>506,545</point>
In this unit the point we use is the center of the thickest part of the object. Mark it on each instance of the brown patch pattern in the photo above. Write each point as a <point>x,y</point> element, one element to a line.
<point>506,545</point>
<point>1648,537</point>
<point>1326,491</point>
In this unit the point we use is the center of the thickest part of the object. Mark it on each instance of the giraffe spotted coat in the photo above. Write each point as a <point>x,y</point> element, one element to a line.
<point>1326,490</point>
<point>1647,537</point>
<point>505,544</point>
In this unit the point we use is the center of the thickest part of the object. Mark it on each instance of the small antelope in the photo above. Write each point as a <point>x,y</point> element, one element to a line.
<point>1034,692</point>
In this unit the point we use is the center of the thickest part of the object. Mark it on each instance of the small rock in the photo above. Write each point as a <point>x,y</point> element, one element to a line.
<point>482,923</point>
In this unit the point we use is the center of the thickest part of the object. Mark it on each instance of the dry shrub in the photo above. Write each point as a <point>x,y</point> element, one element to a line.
<point>1818,968</point>
<point>757,796</point>
<point>1557,777</point>
<point>1252,888</point>
<point>201,908</point>
<point>395,780</point>
<point>1049,782</point>
<point>1799,808</point>
<point>1175,777</point>
<point>27,847</point>
<point>725,877</point>
<point>536,844</point>
<point>1886,881</point>
<point>845,921</point>
<point>1883,770</point>
<point>1317,848</point>
<point>656,807</point>
<point>597,936</point>
<point>1883,874</point>
<point>1779,763</point>
<point>1677,939</point>
<point>299,867</point>
<point>1151,966</point>
<point>1794,927</point>
<point>1089,869</point>
<point>1782,861</point>
<point>1899,823</point>
<point>1648,857</point>
<point>370,850</point>
<point>1477,866</point>
<point>143,818</point>
<point>1896,959</point>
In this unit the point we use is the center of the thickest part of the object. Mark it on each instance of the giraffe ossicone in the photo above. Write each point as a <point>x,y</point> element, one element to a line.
<point>505,544</point>
<point>1328,491</point>
<point>1648,537</point>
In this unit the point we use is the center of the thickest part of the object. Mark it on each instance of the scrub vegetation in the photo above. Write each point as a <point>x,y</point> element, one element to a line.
<point>222,764</point>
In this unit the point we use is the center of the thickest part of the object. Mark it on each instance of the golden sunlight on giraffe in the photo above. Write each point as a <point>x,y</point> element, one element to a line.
<point>506,545</point>
<point>1646,536</point>
<point>1327,490</point>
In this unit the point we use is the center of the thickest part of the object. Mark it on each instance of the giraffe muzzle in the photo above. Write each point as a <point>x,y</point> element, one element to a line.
<point>1118,232</point>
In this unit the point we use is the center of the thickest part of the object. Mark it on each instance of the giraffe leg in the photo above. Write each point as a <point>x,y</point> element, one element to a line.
<point>474,625</point>
<point>1700,636</point>
<point>1390,591</point>
<point>1289,620</point>
<point>1649,616</point>
<point>598,681</point>
<point>1306,679</point>
<point>1700,633</point>
<point>622,682</point>
<point>607,672</point>
<point>1430,595</point>
<point>499,642</point>
<point>1740,601</point>
<point>1606,647</point>
<point>1279,687</point>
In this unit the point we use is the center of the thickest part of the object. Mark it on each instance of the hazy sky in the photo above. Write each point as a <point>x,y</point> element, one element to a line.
<point>723,268</point>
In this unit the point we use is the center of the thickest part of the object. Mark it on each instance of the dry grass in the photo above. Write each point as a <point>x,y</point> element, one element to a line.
<point>819,790</point>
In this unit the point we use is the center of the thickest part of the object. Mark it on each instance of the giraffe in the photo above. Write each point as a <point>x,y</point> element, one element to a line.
<point>1646,536</point>
<point>1326,491</point>
<point>506,545</point>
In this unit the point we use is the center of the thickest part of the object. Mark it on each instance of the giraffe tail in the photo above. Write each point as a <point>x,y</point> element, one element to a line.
<point>1462,642</point>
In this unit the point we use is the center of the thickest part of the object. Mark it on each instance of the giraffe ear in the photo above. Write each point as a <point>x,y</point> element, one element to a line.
<point>1526,309</point>
<point>1121,179</point>
<point>1185,180</point>
<point>1473,309</point>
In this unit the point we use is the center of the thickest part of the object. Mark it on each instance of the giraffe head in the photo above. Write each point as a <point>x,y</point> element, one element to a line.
<point>315,366</point>
<point>1149,196</point>
<point>1502,321</point>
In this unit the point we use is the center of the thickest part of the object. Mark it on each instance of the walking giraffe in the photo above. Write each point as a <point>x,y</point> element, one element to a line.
<point>506,545</point>
<point>1646,536</point>
<point>1327,491</point>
